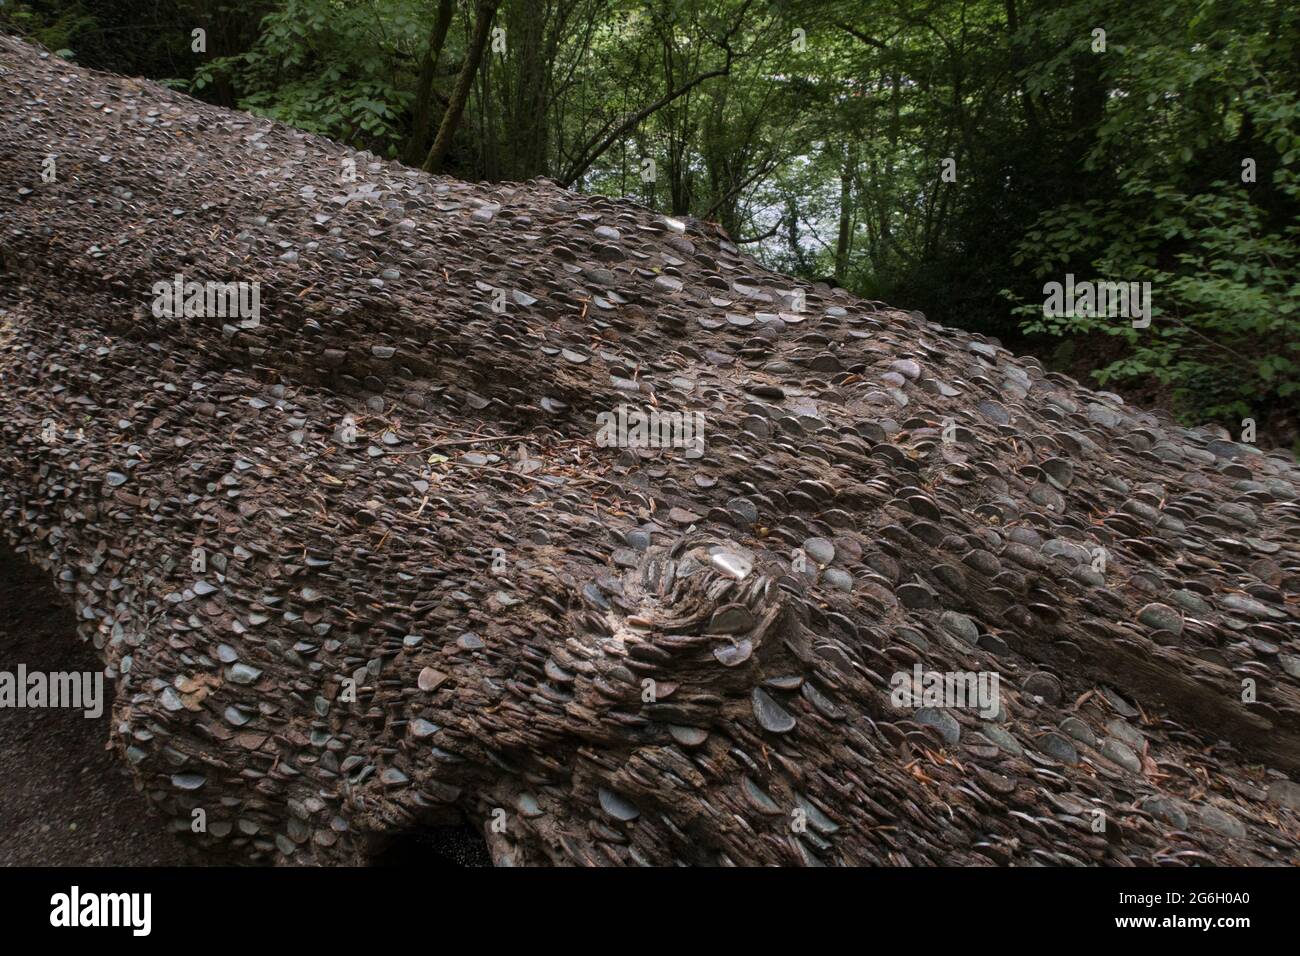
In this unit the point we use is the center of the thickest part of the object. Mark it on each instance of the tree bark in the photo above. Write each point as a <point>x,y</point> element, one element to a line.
<point>486,10</point>
<point>844,238</point>
<point>1015,46</point>
<point>422,114</point>
<point>526,132</point>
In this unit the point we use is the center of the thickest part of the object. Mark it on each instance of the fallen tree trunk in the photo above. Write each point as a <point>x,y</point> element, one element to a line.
<point>474,609</point>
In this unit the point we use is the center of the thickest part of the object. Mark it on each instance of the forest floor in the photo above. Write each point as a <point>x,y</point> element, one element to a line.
<point>65,799</point>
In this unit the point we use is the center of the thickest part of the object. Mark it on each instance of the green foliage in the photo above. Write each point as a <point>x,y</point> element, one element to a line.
<point>1203,91</point>
<point>328,67</point>
<point>55,31</point>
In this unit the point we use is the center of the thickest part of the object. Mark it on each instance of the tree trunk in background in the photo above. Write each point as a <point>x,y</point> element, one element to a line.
<point>1016,47</point>
<point>792,236</point>
<point>456,106</point>
<point>526,134</point>
<point>723,167</point>
<point>679,184</point>
<point>844,240</point>
<point>1087,106</point>
<point>490,167</point>
<point>423,112</point>
<point>887,202</point>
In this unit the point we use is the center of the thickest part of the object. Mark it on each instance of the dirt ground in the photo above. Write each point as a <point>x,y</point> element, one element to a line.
<point>64,798</point>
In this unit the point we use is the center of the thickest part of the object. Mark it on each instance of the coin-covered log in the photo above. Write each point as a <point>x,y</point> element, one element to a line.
<point>380,543</point>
